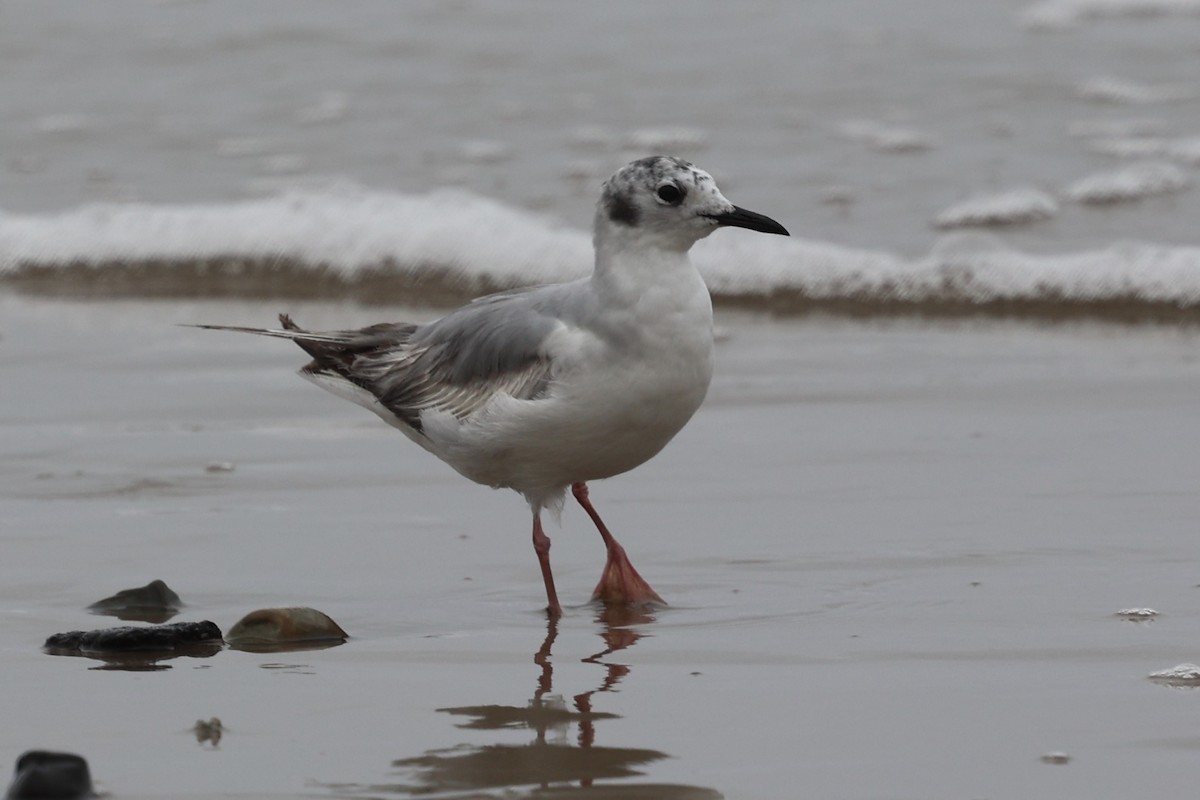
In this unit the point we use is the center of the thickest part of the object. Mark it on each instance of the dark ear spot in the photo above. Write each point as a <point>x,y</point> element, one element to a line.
<point>621,210</point>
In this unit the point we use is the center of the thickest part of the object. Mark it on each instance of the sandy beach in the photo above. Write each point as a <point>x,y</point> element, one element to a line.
<point>892,553</point>
<point>937,459</point>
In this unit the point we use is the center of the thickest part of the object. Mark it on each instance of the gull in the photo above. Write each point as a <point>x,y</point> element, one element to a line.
<point>547,388</point>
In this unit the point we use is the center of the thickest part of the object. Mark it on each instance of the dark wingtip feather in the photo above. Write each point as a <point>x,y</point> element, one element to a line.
<point>234,328</point>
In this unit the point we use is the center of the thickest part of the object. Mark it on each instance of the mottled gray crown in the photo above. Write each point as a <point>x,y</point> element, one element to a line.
<point>643,175</point>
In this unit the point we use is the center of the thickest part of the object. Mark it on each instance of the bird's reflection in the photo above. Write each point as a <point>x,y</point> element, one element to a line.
<point>549,766</point>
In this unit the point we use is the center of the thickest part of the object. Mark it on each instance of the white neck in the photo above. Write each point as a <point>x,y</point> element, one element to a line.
<point>624,274</point>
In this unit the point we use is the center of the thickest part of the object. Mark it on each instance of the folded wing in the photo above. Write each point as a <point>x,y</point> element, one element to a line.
<point>456,364</point>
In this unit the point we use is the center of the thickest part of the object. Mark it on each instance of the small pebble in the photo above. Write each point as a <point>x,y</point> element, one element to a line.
<point>219,466</point>
<point>1055,758</point>
<point>210,731</point>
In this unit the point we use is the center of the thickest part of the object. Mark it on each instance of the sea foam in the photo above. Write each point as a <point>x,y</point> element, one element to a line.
<point>450,245</point>
<point>1128,184</point>
<point>1012,207</point>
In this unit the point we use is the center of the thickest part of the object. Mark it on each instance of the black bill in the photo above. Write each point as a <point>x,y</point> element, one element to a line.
<point>741,218</point>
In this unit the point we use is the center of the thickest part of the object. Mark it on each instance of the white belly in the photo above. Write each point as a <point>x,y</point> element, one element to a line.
<point>596,428</point>
<point>611,409</point>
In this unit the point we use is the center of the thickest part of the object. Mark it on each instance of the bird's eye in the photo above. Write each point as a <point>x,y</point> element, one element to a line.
<point>670,194</point>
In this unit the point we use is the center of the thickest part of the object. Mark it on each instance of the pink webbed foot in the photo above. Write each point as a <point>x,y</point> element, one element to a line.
<point>620,584</point>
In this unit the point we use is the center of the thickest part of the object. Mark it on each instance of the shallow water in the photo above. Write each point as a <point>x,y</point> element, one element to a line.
<point>892,551</point>
<point>533,105</point>
<point>859,125</point>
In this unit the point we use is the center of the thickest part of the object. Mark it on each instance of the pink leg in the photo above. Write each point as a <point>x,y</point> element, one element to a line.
<point>541,546</point>
<point>620,584</point>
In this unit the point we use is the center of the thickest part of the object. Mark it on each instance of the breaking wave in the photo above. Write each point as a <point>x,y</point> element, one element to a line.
<point>449,245</point>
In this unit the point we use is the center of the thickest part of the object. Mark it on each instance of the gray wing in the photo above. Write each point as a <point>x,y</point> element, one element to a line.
<point>455,364</point>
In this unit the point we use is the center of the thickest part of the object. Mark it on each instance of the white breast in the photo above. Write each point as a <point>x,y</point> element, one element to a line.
<point>618,397</point>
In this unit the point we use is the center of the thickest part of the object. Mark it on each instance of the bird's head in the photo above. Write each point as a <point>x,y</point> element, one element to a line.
<point>670,202</point>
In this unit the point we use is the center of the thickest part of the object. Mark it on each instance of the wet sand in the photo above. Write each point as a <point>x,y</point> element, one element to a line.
<point>893,551</point>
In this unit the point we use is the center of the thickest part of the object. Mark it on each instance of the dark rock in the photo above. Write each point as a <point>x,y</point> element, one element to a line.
<point>154,602</point>
<point>175,636</point>
<point>45,775</point>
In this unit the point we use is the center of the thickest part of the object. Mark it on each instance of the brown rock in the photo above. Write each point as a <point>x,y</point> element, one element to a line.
<point>282,627</point>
